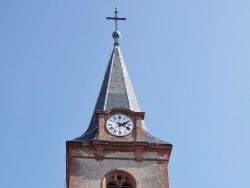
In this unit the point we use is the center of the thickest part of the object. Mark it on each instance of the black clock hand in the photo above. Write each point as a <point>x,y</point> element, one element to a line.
<point>119,127</point>
<point>128,128</point>
<point>124,123</point>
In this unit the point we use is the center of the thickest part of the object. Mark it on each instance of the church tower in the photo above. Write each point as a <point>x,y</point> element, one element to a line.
<point>117,151</point>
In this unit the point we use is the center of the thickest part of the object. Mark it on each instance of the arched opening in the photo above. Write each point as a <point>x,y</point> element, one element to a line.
<point>111,185</point>
<point>126,185</point>
<point>118,179</point>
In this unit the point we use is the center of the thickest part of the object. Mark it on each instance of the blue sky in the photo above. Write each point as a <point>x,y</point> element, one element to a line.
<point>189,64</point>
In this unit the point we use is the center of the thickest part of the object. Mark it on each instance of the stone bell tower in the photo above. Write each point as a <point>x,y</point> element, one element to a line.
<point>117,151</point>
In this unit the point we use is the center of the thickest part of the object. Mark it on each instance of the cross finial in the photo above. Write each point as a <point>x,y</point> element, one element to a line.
<point>116,18</point>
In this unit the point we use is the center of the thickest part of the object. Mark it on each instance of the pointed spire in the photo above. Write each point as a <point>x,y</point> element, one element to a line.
<point>116,91</point>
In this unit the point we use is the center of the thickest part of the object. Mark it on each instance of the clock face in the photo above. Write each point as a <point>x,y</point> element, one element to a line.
<point>119,125</point>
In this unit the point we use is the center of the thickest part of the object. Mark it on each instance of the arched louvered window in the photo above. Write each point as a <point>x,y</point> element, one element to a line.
<point>111,185</point>
<point>119,179</point>
<point>126,185</point>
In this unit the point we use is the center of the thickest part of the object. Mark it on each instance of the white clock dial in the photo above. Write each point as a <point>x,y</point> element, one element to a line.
<point>119,125</point>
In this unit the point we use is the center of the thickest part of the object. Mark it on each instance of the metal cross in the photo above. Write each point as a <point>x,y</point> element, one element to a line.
<point>116,18</point>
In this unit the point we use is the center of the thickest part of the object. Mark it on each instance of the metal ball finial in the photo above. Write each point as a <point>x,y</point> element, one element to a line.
<point>116,34</point>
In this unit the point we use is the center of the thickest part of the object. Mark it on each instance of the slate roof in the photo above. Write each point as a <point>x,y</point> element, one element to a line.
<point>116,92</point>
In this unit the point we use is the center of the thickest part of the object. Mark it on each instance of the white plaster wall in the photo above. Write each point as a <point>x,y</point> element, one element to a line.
<point>151,155</point>
<point>120,154</point>
<point>91,172</point>
<point>86,153</point>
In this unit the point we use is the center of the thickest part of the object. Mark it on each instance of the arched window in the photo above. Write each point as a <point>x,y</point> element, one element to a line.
<point>111,185</point>
<point>119,179</point>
